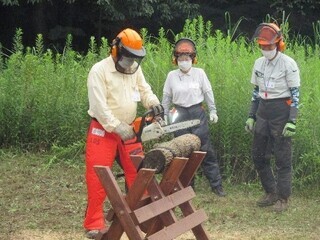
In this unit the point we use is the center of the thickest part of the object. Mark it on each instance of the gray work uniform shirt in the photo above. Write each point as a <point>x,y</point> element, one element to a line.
<point>276,77</point>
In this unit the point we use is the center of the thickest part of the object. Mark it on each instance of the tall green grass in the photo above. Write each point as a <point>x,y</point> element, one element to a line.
<point>43,95</point>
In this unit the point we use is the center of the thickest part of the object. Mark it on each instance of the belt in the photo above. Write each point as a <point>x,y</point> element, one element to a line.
<point>193,106</point>
<point>275,99</point>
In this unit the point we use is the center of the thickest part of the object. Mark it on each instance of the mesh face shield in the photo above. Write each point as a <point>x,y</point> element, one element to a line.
<point>129,60</point>
<point>266,35</point>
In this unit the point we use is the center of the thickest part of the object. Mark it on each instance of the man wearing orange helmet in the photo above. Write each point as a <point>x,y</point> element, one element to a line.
<point>115,86</point>
<point>273,115</point>
<point>186,88</point>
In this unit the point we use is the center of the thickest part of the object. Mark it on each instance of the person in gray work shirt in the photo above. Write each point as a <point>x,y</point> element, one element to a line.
<point>186,88</point>
<point>273,115</point>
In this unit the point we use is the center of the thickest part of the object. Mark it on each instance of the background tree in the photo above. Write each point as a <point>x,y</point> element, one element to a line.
<point>304,6</point>
<point>83,19</point>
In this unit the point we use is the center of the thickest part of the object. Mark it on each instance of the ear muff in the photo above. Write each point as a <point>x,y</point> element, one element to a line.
<point>194,59</point>
<point>114,47</point>
<point>281,45</point>
<point>174,60</point>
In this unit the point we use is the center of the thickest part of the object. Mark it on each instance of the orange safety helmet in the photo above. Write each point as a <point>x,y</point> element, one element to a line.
<point>185,46</point>
<point>128,43</point>
<point>269,33</point>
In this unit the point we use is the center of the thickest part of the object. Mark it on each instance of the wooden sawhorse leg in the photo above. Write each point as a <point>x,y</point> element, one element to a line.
<point>155,214</point>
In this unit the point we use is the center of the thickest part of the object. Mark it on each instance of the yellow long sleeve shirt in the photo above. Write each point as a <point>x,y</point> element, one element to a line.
<point>113,96</point>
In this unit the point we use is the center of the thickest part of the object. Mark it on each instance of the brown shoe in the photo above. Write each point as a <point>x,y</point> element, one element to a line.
<point>281,205</point>
<point>267,200</point>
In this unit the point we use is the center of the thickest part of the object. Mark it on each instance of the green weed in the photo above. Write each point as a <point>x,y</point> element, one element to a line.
<point>43,95</point>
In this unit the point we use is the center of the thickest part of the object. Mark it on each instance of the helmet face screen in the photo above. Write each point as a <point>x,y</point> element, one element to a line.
<point>128,65</point>
<point>128,62</point>
<point>184,56</point>
<point>129,52</point>
<point>266,35</point>
<point>184,48</point>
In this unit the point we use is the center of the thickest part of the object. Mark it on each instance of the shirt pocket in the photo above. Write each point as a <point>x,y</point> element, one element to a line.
<point>259,78</point>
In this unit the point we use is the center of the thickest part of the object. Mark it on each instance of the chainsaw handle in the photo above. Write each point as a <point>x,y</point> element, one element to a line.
<point>142,124</point>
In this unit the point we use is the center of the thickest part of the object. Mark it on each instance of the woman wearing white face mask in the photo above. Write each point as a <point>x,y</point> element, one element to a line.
<point>184,63</point>
<point>273,115</point>
<point>186,88</point>
<point>269,51</point>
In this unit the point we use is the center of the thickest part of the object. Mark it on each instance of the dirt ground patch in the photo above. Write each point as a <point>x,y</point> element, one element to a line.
<point>43,199</point>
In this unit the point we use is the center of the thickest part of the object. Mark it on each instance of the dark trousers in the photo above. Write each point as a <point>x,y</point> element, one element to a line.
<point>272,115</point>
<point>210,163</point>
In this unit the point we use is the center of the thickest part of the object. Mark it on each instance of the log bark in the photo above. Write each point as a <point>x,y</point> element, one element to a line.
<point>160,156</point>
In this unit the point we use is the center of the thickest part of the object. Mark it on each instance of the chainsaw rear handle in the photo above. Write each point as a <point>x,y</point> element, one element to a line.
<point>140,123</point>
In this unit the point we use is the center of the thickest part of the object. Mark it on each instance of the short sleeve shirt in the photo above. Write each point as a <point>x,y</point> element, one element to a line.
<point>276,77</point>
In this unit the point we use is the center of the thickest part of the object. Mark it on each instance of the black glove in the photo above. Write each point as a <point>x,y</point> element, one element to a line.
<point>158,110</point>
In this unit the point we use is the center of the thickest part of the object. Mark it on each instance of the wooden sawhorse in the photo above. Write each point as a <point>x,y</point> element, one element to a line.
<point>148,209</point>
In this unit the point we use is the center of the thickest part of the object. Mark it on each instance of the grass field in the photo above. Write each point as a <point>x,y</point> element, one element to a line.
<point>45,199</point>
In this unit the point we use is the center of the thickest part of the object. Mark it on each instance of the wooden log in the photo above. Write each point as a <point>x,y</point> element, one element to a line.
<point>160,156</point>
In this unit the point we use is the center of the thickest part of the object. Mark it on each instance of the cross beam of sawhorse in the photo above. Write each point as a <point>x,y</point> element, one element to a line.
<point>147,211</point>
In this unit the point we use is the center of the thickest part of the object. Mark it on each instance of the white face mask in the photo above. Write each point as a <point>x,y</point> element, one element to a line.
<point>126,62</point>
<point>269,54</point>
<point>185,65</point>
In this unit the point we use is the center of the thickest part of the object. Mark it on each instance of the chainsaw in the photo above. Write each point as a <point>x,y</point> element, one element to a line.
<point>150,127</point>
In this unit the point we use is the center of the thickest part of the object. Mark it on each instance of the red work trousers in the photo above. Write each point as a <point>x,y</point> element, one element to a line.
<point>101,149</point>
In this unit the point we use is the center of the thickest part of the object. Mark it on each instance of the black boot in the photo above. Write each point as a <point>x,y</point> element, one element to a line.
<point>267,200</point>
<point>218,190</point>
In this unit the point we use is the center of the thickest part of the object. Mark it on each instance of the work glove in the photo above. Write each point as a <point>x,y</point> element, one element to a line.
<point>250,125</point>
<point>213,117</point>
<point>125,131</point>
<point>289,129</point>
<point>158,110</point>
